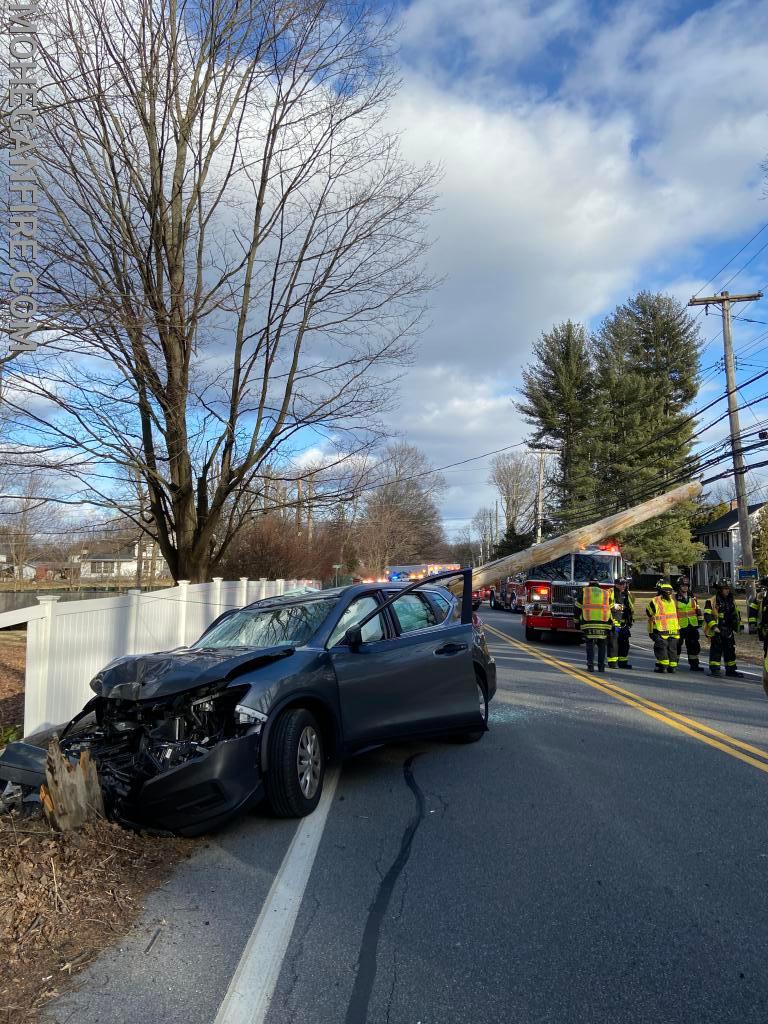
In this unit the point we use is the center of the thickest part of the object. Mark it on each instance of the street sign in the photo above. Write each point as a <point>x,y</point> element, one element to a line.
<point>747,574</point>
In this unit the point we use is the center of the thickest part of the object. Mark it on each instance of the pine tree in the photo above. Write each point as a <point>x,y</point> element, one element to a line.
<point>647,356</point>
<point>558,401</point>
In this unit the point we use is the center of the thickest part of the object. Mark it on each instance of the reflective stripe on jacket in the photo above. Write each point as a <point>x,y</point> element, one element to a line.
<point>662,616</point>
<point>689,613</point>
<point>722,614</point>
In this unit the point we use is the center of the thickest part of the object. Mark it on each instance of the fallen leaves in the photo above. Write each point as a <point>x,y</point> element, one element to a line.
<point>65,897</point>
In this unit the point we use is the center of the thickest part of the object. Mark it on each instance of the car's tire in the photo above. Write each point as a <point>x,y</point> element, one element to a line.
<point>492,601</point>
<point>531,633</point>
<point>294,780</point>
<point>476,734</point>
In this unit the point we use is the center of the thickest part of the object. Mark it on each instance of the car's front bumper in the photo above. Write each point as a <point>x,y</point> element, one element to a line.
<point>191,798</point>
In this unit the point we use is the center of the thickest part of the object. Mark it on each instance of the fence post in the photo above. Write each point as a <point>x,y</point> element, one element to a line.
<point>217,594</point>
<point>133,621</point>
<point>38,680</point>
<point>279,587</point>
<point>182,599</point>
<point>243,599</point>
<point>262,587</point>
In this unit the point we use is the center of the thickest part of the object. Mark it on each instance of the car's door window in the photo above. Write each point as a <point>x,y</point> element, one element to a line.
<point>443,606</point>
<point>413,613</point>
<point>372,631</point>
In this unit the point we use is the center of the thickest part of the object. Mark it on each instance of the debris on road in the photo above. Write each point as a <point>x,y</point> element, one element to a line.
<point>65,897</point>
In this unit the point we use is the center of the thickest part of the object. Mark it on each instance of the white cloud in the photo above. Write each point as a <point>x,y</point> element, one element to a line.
<point>561,205</point>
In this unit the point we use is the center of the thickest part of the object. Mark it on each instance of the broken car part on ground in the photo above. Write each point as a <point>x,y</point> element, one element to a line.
<point>186,739</point>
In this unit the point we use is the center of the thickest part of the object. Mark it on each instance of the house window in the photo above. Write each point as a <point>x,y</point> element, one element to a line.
<point>727,540</point>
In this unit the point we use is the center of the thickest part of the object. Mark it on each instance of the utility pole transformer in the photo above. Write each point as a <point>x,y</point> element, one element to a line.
<point>724,300</point>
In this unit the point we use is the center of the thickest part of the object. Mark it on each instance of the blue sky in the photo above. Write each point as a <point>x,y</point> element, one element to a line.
<point>589,150</point>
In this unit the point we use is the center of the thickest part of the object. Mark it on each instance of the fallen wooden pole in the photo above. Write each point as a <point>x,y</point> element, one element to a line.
<point>582,537</point>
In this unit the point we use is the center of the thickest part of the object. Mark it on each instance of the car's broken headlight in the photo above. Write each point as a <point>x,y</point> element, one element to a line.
<point>247,716</point>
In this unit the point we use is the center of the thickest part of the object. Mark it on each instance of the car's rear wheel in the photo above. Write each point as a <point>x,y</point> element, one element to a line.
<point>296,764</point>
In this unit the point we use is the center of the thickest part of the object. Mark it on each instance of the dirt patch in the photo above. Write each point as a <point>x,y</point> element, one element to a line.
<point>65,898</point>
<point>13,658</point>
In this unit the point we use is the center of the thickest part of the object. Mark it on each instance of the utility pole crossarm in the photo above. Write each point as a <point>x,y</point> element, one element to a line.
<point>711,300</point>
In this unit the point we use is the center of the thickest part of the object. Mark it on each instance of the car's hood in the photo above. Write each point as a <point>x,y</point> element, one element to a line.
<point>153,676</point>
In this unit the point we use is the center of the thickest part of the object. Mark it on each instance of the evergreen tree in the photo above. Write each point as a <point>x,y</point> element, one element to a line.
<point>760,541</point>
<point>558,401</point>
<point>647,356</point>
<point>512,542</point>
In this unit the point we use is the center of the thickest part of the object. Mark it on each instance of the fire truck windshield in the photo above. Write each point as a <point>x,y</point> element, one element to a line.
<point>593,567</point>
<point>559,569</point>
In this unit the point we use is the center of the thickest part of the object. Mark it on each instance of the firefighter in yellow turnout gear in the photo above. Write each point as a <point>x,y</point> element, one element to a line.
<point>722,621</point>
<point>594,614</point>
<point>663,627</point>
<point>690,621</point>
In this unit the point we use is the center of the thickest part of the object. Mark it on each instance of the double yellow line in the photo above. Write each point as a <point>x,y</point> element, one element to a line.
<point>689,726</point>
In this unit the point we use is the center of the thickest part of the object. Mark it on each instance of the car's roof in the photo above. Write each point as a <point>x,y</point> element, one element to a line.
<point>334,593</point>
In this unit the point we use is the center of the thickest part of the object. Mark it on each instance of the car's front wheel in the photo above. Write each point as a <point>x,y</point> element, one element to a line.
<point>296,764</point>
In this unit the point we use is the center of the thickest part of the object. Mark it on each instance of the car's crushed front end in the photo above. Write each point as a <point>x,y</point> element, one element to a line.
<point>174,748</point>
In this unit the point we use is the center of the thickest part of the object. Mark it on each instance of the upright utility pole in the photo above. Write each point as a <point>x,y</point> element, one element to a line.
<point>539,506</point>
<point>724,300</point>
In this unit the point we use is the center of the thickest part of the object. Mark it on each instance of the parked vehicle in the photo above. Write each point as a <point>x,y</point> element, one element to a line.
<point>547,593</point>
<point>185,739</point>
<point>481,594</point>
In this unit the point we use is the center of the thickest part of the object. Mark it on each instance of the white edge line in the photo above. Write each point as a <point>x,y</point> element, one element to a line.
<point>250,991</point>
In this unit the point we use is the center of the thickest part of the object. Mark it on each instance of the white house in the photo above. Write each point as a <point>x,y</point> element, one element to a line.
<point>723,541</point>
<point>110,560</point>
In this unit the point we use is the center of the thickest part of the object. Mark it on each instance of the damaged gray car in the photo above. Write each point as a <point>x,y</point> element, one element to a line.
<point>269,695</point>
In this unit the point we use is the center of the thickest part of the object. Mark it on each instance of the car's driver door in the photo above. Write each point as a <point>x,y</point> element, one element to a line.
<point>400,683</point>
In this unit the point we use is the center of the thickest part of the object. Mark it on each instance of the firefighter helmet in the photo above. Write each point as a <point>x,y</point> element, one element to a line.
<point>724,584</point>
<point>663,586</point>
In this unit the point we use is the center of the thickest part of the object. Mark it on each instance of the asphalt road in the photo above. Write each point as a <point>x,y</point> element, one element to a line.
<point>600,856</point>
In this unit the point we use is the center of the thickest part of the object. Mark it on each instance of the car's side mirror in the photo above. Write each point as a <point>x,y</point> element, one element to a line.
<point>476,605</point>
<point>353,638</point>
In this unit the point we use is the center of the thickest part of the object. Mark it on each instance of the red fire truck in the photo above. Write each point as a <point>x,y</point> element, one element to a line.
<point>546,594</point>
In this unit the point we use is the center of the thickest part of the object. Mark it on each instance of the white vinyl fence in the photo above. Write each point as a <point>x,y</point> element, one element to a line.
<point>68,642</point>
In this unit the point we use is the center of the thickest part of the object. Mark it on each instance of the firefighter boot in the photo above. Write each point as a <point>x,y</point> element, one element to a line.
<point>671,669</point>
<point>694,665</point>
<point>733,673</point>
<point>660,668</point>
<point>714,670</point>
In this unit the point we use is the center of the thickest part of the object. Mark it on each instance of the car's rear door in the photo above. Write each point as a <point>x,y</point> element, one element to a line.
<point>411,675</point>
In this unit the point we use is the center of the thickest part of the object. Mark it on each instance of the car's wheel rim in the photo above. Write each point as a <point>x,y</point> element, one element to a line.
<point>483,705</point>
<point>309,761</point>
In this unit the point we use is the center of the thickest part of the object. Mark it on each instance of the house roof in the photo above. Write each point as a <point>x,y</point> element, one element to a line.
<point>728,520</point>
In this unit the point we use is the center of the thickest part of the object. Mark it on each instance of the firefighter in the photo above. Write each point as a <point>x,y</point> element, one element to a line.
<point>722,622</point>
<point>663,627</point>
<point>595,619</point>
<point>690,620</point>
<point>624,616</point>
<point>758,614</point>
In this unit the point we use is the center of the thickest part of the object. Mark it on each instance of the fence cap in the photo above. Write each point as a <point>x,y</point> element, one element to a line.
<point>48,598</point>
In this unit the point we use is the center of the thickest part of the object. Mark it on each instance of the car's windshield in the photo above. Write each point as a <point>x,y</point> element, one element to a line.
<point>292,624</point>
<point>593,567</point>
<point>558,569</point>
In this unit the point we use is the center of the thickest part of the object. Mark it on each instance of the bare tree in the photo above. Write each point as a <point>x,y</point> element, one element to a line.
<point>401,520</point>
<point>26,517</point>
<point>484,527</point>
<point>234,254</point>
<point>513,474</point>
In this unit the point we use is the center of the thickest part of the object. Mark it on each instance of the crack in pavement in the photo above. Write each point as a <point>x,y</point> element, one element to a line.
<point>367,961</point>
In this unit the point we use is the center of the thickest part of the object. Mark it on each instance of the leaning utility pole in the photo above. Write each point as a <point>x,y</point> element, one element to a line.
<point>724,300</point>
